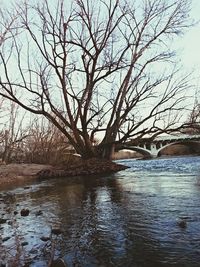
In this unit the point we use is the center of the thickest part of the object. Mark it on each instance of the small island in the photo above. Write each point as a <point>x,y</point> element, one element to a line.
<point>21,173</point>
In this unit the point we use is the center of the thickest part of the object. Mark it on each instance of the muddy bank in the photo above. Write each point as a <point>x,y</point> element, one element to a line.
<point>20,173</point>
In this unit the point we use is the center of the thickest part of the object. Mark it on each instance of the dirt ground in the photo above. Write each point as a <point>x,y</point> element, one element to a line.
<point>19,173</point>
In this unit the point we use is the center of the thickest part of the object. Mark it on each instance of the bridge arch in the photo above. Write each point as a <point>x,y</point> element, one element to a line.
<point>186,143</point>
<point>143,151</point>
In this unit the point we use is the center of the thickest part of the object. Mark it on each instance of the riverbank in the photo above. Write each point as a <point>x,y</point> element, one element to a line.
<point>21,173</point>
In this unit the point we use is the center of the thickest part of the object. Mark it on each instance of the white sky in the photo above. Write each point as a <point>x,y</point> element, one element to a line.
<point>187,46</point>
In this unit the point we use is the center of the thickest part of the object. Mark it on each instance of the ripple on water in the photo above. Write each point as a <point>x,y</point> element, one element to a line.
<point>127,219</point>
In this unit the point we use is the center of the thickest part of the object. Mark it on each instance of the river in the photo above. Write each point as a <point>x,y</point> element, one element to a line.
<point>145,216</point>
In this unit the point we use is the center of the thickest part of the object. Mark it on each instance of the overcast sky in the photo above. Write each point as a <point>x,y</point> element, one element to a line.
<point>188,45</point>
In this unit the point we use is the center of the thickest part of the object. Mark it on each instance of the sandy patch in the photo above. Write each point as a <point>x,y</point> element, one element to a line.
<point>17,173</point>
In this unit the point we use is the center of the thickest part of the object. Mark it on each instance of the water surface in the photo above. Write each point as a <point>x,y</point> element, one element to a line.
<point>131,218</point>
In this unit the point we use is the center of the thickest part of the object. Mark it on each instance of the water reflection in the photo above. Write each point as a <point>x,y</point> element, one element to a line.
<point>127,219</point>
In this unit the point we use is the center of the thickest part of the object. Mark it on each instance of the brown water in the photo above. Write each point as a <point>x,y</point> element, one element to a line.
<point>127,219</point>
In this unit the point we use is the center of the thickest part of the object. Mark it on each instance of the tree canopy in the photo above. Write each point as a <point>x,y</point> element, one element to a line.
<point>97,69</point>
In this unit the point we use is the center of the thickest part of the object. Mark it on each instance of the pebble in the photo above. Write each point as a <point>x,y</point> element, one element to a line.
<point>45,238</point>
<point>3,220</point>
<point>33,251</point>
<point>27,187</point>
<point>182,224</point>
<point>56,231</point>
<point>5,238</point>
<point>38,213</point>
<point>24,244</point>
<point>24,212</point>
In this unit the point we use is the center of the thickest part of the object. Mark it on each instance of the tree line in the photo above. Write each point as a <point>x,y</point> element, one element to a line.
<point>30,140</point>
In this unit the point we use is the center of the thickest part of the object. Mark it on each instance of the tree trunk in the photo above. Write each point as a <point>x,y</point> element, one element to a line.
<point>105,151</point>
<point>100,151</point>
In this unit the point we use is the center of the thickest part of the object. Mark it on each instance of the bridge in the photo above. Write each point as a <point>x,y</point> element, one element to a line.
<point>151,148</point>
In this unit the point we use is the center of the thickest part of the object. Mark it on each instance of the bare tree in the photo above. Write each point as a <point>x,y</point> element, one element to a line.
<point>8,24</point>
<point>193,119</point>
<point>12,132</point>
<point>98,68</point>
<point>45,144</point>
